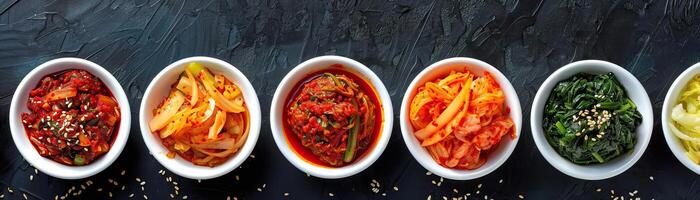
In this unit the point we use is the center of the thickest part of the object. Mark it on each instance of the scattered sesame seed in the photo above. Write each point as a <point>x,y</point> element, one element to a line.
<point>24,195</point>
<point>31,177</point>
<point>145,197</point>
<point>598,190</point>
<point>396,188</point>
<point>500,181</point>
<point>286,194</point>
<point>428,173</point>
<point>131,195</point>
<point>330,194</point>
<point>429,196</point>
<point>184,197</point>
<point>123,172</point>
<point>479,186</point>
<point>521,196</point>
<point>651,178</point>
<point>259,190</point>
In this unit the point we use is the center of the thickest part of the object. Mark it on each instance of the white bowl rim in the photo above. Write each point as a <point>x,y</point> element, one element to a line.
<point>512,100</point>
<point>185,168</point>
<point>672,141</point>
<point>644,129</point>
<point>49,166</point>
<point>370,157</point>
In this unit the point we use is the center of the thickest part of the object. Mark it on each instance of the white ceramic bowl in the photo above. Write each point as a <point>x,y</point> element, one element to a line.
<point>671,101</point>
<point>19,105</point>
<point>298,74</point>
<point>634,90</point>
<point>158,90</point>
<point>441,69</point>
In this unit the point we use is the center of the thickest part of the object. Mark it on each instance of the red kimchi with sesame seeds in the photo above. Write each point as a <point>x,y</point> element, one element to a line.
<point>73,117</point>
<point>332,118</point>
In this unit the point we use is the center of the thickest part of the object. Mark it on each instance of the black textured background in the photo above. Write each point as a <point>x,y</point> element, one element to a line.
<point>526,40</point>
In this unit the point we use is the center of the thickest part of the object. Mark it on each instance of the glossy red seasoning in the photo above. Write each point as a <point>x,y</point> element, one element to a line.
<point>308,117</point>
<point>73,117</point>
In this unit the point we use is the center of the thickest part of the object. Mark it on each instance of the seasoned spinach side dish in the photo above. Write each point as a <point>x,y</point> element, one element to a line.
<point>589,119</point>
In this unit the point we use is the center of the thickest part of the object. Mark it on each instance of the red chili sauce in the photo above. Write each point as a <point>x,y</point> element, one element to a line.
<point>332,118</point>
<point>73,117</point>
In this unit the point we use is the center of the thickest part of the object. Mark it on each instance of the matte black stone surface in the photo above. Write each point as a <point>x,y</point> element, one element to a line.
<point>527,40</point>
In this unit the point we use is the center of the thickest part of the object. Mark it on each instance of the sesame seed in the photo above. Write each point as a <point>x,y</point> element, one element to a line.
<point>185,197</point>
<point>330,194</point>
<point>478,186</point>
<point>500,181</point>
<point>396,188</point>
<point>123,172</point>
<point>521,196</point>
<point>598,190</point>
<point>286,194</point>
<point>31,177</point>
<point>651,178</point>
<point>428,173</point>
